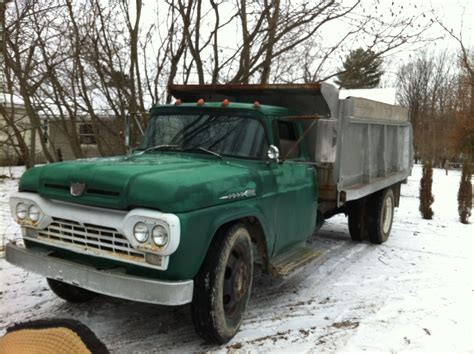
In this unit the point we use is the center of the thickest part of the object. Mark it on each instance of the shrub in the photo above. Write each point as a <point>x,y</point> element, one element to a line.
<point>426,198</point>
<point>465,193</point>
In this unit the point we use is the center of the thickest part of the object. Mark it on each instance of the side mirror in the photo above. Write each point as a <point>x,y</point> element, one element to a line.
<point>273,153</point>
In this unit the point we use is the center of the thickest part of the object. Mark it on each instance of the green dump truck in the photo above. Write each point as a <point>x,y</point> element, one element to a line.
<point>226,175</point>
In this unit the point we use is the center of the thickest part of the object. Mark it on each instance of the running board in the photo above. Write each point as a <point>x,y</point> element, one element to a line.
<point>296,257</point>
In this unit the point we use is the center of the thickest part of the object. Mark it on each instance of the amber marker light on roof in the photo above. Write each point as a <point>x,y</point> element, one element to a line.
<point>177,102</point>
<point>225,103</point>
<point>256,104</point>
<point>200,102</point>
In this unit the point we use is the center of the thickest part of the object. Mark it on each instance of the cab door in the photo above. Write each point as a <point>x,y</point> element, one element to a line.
<point>295,187</point>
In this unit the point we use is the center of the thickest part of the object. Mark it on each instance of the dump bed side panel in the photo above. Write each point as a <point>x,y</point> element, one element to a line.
<point>375,147</point>
<point>367,148</point>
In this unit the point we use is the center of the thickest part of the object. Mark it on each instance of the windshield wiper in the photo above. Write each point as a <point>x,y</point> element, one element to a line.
<point>158,147</point>
<point>200,148</point>
<point>176,147</point>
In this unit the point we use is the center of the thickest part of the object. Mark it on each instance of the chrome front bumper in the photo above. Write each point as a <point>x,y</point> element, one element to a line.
<point>104,282</point>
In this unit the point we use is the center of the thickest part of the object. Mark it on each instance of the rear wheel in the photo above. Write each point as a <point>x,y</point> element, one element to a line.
<point>381,217</point>
<point>358,220</point>
<point>222,286</point>
<point>69,292</point>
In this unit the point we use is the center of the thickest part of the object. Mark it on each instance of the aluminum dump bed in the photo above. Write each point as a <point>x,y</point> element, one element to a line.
<point>368,147</point>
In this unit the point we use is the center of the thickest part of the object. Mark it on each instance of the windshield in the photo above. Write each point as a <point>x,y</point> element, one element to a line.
<point>223,133</point>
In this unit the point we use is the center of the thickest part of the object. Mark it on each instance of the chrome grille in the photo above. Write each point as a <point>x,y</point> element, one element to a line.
<point>91,237</point>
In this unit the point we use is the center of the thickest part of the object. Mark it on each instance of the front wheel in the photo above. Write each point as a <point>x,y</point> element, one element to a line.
<point>381,218</point>
<point>70,292</point>
<point>222,286</point>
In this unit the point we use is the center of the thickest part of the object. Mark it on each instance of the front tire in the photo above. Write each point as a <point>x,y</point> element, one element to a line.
<point>381,218</point>
<point>70,293</point>
<point>222,286</point>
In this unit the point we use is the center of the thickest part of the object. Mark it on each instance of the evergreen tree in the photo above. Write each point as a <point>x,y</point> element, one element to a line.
<point>361,69</point>
<point>465,193</point>
<point>426,198</point>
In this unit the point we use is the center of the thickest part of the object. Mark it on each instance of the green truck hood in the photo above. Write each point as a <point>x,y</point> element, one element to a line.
<point>169,182</point>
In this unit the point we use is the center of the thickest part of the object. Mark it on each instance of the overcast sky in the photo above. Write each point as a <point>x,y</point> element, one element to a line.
<point>455,14</point>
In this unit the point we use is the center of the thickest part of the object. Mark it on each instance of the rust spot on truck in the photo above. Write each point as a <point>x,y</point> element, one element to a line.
<point>26,223</point>
<point>149,248</point>
<point>94,251</point>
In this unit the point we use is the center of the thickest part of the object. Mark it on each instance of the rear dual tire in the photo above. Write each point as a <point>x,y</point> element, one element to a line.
<point>380,222</point>
<point>358,220</point>
<point>372,217</point>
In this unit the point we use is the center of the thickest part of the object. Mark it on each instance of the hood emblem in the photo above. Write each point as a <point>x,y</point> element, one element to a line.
<point>77,189</point>
<point>246,193</point>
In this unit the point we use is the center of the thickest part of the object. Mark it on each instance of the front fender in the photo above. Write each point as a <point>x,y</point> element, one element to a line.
<point>198,228</point>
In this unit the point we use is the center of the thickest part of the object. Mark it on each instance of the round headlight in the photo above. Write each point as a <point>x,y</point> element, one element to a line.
<point>21,211</point>
<point>34,213</point>
<point>140,231</point>
<point>159,235</point>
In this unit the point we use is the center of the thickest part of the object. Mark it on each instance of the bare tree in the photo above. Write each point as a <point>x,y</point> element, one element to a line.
<point>427,86</point>
<point>21,59</point>
<point>74,61</point>
<point>466,57</point>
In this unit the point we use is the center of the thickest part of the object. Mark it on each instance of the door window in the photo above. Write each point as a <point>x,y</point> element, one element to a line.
<point>286,137</point>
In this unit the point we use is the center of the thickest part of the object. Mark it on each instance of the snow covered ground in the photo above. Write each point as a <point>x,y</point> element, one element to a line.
<point>413,293</point>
